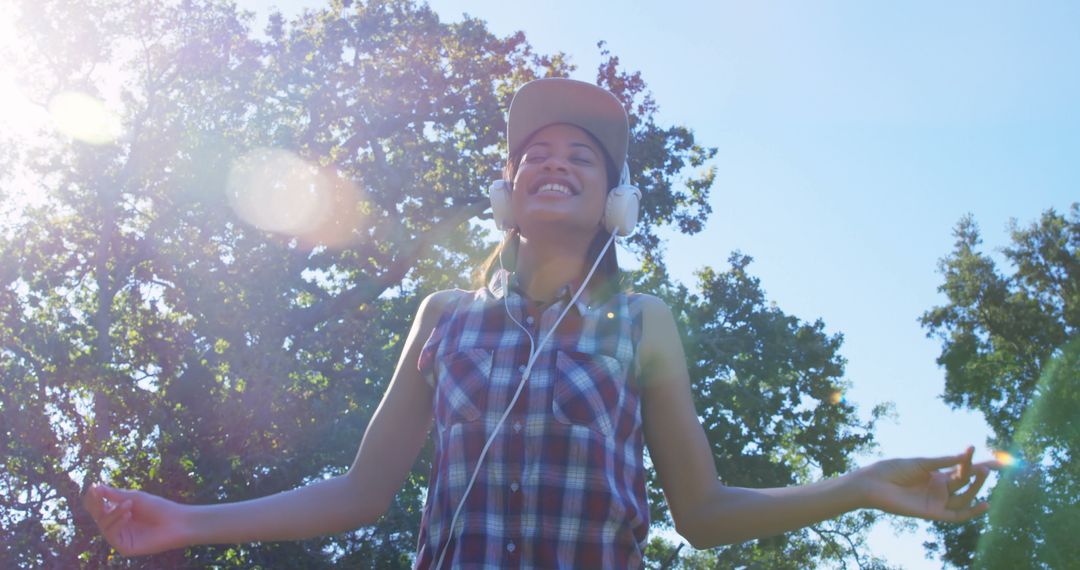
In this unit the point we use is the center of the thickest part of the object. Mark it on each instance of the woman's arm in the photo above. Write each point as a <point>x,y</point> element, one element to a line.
<point>140,523</point>
<point>708,513</point>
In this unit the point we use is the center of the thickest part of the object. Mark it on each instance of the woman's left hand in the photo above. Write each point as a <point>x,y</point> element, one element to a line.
<point>919,487</point>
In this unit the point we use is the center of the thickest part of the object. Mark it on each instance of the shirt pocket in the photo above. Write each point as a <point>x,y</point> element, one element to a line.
<point>463,385</point>
<point>587,390</point>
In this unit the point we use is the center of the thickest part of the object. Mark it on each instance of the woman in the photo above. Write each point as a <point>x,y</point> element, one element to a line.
<point>544,387</point>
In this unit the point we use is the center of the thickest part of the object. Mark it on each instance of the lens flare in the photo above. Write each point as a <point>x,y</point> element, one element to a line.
<point>277,191</point>
<point>84,118</point>
<point>1005,458</point>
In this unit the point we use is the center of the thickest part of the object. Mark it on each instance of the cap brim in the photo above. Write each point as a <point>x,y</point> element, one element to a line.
<point>554,100</point>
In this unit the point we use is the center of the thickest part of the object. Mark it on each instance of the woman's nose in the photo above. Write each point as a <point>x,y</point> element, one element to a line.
<point>555,162</point>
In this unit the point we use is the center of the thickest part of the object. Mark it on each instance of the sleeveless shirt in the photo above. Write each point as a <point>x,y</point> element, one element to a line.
<point>563,484</point>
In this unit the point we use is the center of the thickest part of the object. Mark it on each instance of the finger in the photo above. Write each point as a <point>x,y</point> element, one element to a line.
<point>120,532</point>
<point>965,465</point>
<point>120,513</point>
<point>956,481</point>
<point>91,501</point>
<point>935,463</point>
<point>126,541</point>
<point>961,515</point>
<point>993,464</point>
<point>115,495</point>
<point>963,472</point>
<point>96,504</point>
<point>965,499</point>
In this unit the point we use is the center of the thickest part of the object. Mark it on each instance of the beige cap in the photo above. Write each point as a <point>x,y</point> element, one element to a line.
<point>553,100</point>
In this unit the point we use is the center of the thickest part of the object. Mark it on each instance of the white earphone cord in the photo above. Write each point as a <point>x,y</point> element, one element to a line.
<point>534,353</point>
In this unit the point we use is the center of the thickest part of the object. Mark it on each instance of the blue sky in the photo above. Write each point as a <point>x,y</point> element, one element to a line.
<point>852,136</point>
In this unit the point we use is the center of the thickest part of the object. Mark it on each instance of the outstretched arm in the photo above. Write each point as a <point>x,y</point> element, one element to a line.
<point>139,523</point>
<point>708,513</point>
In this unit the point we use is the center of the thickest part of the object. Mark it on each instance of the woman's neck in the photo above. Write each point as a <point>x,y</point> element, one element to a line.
<point>544,267</point>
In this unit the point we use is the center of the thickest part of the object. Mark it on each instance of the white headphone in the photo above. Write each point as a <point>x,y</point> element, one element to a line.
<point>620,212</point>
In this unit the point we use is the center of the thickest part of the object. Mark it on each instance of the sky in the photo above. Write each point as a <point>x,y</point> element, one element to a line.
<point>851,138</point>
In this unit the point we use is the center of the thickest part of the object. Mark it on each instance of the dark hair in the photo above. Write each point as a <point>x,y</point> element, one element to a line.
<point>607,273</point>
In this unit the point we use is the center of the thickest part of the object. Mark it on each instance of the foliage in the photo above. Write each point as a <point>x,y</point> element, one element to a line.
<point>768,389</point>
<point>152,338</point>
<point>1010,351</point>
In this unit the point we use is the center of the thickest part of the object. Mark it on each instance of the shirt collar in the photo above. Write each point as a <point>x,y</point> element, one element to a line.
<point>504,281</point>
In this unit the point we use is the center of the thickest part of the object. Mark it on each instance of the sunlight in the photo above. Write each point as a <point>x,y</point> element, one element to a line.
<point>84,118</point>
<point>277,191</point>
<point>1005,458</point>
<point>20,122</point>
<point>16,112</point>
<point>837,397</point>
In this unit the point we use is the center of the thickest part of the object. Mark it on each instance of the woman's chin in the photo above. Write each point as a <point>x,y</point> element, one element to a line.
<point>561,228</point>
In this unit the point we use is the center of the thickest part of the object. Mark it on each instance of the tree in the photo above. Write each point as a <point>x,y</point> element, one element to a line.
<point>162,330</point>
<point>1009,350</point>
<point>769,392</point>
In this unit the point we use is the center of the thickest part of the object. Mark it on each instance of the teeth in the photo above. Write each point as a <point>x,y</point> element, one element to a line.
<point>554,188</point>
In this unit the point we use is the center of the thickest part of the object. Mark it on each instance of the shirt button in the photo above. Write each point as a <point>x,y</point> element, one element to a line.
<point>529,320</point>
<point>517,427</point>
<point>514,486</point>
<point>510,547</point>
<point>521,368</point>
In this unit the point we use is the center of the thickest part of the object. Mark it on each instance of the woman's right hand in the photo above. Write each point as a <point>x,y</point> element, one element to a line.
<point>137,523</point>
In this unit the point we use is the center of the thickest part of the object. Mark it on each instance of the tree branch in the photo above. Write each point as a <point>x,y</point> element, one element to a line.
<point>371,288</point>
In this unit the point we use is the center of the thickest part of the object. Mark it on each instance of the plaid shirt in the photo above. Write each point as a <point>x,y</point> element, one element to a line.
<point>563,485</point>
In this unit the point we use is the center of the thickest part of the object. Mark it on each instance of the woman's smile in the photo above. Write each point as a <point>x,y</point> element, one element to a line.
<point>553,187</point>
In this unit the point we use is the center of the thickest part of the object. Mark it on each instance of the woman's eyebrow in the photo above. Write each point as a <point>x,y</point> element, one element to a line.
<point>583,145</point>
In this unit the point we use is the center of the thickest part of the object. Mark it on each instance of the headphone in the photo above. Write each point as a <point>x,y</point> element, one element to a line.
<point>620,211</point>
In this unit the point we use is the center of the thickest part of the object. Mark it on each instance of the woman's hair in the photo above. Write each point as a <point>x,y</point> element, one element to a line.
<point>607,273</point>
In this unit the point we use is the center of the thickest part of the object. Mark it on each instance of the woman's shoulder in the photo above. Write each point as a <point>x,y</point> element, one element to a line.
<point>434,304</point>
<point>647,306</point>
<point>658,326</point>
<point>431,309</point>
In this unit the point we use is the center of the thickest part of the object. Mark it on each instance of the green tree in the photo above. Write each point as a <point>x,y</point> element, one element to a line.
<point>1009,350</point>
<point>151,337</point>
<point>768,389</point>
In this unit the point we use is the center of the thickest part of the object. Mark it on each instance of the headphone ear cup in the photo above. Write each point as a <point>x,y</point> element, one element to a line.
<point>621,211</point>
<point>499,194</point>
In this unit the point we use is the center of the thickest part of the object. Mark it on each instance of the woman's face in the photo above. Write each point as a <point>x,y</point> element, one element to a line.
<point>561,182</point>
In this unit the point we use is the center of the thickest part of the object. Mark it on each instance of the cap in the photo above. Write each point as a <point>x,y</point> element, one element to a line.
<point>544,102</point>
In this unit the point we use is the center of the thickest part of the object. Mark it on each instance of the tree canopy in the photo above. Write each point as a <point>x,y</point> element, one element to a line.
<point>1009,350</point>
<point>212,298</point>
